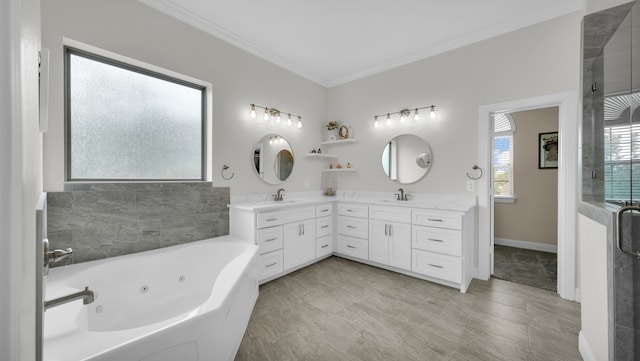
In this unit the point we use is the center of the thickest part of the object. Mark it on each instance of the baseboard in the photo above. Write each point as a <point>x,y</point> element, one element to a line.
<point>578,296</point>
<point>551,248</point>
<point>584,348</point>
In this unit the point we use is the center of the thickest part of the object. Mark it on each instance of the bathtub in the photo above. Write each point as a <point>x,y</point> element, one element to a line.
<point>190,302</point>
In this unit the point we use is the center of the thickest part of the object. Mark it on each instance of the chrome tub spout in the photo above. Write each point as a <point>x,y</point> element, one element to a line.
<point>87,296</point>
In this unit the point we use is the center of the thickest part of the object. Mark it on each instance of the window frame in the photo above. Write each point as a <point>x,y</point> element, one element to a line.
<point>503,133</point>
<point>144,69</point>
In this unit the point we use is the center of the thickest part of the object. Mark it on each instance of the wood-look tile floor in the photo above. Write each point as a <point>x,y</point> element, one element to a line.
<point>338,310</point>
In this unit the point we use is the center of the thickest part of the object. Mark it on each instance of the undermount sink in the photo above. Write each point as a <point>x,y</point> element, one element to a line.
<point>392,201</point>
<point>285,202</point>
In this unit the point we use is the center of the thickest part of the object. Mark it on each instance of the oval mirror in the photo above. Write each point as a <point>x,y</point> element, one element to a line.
<point>406,158</point>
<point>273,159</point>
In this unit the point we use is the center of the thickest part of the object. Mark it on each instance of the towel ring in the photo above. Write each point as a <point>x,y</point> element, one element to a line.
<point>226,167</point>
<point>474,168</point>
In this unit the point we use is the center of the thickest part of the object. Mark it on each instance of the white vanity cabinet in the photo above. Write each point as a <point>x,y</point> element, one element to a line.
<point>442,246</point>
<point>286,236</point>
<point>390,236</point>
<point>299,243</point>
<point>324,229</point>
<point>353,230</point>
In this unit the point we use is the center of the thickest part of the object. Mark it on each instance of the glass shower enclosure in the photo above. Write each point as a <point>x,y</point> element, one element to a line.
<point>611,159</point>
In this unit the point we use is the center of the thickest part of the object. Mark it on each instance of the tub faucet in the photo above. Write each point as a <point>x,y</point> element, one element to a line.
<point>278,196</point>
<point>87,296</point>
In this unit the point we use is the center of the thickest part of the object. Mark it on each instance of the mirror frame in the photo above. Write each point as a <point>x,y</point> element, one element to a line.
<point>273,162</point>
<point>426,150</point>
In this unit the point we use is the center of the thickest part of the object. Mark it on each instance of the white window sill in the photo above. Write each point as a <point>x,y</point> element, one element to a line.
<point>503,199</point>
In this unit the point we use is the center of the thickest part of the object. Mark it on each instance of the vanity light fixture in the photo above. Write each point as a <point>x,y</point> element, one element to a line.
<point>275,113</point>
<point>404,114</point>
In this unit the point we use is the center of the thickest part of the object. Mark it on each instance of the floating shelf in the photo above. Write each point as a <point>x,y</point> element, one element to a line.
<point>339,170</point>
<point>339,141</point>
<point>325,156</point>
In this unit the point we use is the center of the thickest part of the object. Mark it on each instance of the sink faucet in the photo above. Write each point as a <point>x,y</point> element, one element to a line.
<point>87,296</point>
<point>402,196</point>
<point>278,195</point>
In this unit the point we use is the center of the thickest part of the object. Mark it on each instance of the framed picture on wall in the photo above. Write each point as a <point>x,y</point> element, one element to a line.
<point>548,150</point>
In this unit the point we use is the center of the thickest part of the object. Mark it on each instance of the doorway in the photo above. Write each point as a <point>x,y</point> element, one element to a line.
<point>525,192</point>
<point>567,104</point>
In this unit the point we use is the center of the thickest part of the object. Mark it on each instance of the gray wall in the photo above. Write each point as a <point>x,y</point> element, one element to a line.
<point>108,220</point>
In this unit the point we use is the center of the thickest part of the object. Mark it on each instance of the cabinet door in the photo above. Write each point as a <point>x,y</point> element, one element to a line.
<point>399,245</point>
<point>378,241</point>
<point>308,241</point>
<point>299,243</point>
<point>292,245</point>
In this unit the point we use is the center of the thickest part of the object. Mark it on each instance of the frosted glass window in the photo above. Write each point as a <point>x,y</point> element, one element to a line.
<point>127,123</point>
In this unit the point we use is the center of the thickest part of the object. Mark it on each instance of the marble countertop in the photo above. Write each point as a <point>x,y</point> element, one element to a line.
<point>263,202</point>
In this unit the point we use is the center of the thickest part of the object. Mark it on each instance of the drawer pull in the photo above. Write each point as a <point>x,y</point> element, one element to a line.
<point>325,246</point>
<point>271,264</point>
<point>324,210</point>
<point>435,265</point>
<point>325,226</point>
<point>270,239</point>
<point>272,219</point>
<point>435,240</point>
<point>350,246</point>
<point>352,227</point>
<point>435,220</point>
<point>351,210</point>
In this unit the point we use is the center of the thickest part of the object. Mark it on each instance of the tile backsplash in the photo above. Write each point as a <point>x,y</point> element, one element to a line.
<point>101,220</point>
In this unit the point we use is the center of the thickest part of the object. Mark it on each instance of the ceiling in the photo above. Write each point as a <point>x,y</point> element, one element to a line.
<point>332,42</point>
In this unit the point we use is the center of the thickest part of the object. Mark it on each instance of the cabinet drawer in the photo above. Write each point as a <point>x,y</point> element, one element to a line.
<point>354,227</point>
<point>299,214</point>
<point>391,214</point>
<point>439,219</point>
<point>270,219</point>
<point>353,247</point>
<point>448,268</point>
<point>324,210</point>
<point>271,264</point>
<point>269,239</point>
<point>447,241</point>
<point>353,210</point>
<point>324,246</point>
<point>324,226</point>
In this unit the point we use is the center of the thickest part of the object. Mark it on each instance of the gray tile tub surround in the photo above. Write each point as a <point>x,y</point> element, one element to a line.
<point>101,220</point>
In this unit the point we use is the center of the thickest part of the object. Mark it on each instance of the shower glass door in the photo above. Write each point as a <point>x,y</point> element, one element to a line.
<point>621,90</point>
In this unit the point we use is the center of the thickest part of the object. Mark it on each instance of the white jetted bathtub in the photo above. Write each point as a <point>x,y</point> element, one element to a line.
<point>184,303</point>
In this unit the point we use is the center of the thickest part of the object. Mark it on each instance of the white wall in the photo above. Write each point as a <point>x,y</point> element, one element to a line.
<point>239,78</point>
<point>592,6</point>
<point>594,337</point>
<point>537,60</point>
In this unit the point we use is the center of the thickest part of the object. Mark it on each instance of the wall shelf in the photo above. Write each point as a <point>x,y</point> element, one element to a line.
<point>339,170</point>
<point>322,156</point>
<point>338,141</point>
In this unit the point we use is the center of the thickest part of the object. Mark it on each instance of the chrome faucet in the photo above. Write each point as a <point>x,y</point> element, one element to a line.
<point>87,296</point>
<point>402,196</point>
<point>278,196</point>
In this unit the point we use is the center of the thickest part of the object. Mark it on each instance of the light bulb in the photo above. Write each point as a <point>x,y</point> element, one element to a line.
<point>376,123</point>
<point>253,112</point>
<point>266,114</point>
<point>278,118</point>
<point>432,114</point>
<point>416,116</point>
<point>289,121</point>
<point>299,122</point>
<point>402,118</point>
<point>388,119</point>
<point>270,140</point>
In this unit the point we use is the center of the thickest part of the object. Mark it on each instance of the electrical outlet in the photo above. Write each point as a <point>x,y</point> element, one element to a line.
<point>471,186</point>
<point>306,184</point>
